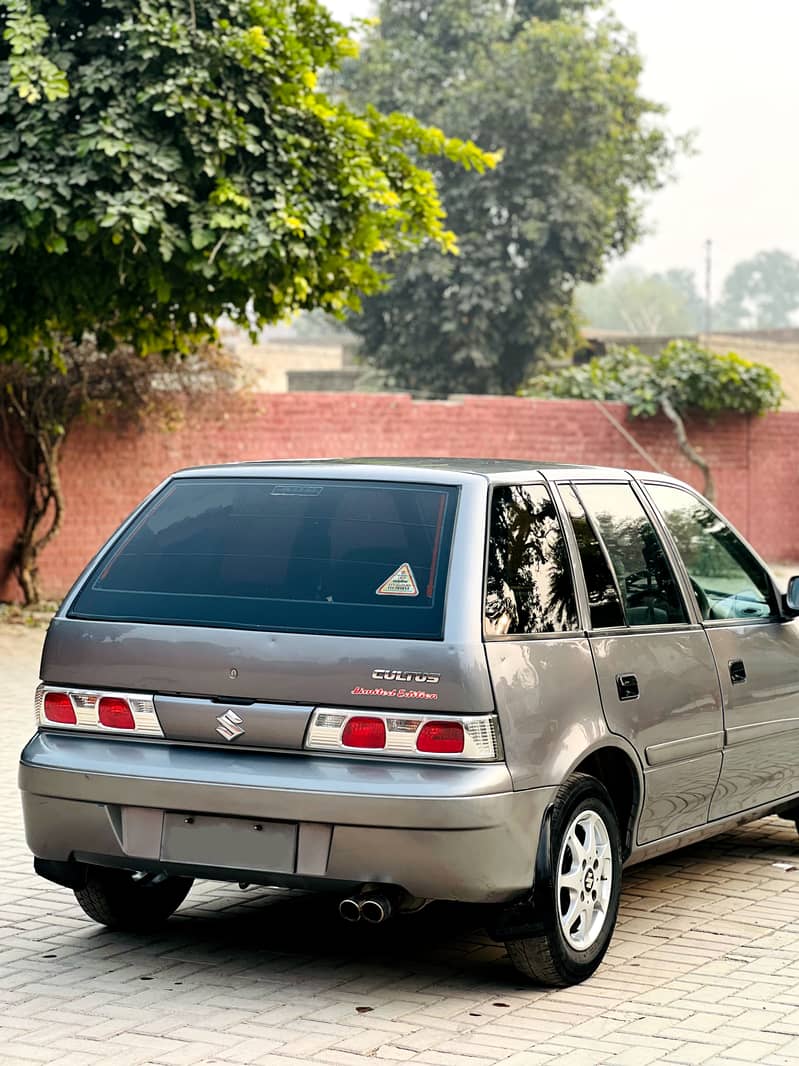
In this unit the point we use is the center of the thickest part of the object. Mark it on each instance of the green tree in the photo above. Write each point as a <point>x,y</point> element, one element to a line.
<point>633,301</point>
<point>682,380</point>
<point>556,89</point>
<point>761,293</point>
<point>180,164</point>
<point>165,163</point>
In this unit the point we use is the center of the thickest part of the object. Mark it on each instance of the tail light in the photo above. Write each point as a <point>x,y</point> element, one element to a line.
<point>99,712</point>
<point>362,732</point>
<point>58,708</point>
<point>467,737</point>
<point>115,713</point>
<point>441,738</point>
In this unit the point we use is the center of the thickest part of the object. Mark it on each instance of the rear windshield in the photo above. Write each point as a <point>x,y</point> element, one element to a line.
<point>308,556</point>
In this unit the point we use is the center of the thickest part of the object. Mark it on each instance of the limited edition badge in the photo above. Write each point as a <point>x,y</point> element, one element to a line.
<point>401,583</point>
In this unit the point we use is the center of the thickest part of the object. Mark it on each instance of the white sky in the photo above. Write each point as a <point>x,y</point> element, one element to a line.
<point>728,69</point>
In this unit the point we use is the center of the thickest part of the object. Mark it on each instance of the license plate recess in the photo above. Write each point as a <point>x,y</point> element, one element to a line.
<point>236,843</point>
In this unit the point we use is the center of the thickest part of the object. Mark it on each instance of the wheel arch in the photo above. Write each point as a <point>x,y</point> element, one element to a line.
<point>620,773</point>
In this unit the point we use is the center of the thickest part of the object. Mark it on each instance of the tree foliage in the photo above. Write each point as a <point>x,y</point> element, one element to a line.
<point>163,163</point>
<point>683,379</point>
<point>553,87</point>
<point>632,301</point>
<point>761,293</point>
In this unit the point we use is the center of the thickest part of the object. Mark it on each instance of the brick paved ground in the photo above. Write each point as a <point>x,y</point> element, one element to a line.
<point>704,966</point>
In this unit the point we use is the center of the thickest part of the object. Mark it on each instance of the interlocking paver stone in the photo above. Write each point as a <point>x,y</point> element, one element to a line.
<point>704,968</point>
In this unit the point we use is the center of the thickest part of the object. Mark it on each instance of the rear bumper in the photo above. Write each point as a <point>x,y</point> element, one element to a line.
<point>442,832</point>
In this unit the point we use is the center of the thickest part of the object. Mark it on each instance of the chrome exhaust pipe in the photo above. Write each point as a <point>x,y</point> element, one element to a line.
<point>376,909</point>
<point>350,910</point>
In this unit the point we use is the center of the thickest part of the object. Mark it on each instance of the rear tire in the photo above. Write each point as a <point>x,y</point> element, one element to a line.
<point>120,899</point>
<point>581,903</point>
<point>791,815</point>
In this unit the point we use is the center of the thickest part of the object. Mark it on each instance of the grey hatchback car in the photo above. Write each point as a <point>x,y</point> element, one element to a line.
<point>411,680</point>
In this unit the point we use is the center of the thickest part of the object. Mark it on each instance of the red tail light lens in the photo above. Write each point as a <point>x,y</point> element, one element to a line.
<point>441,738</point>
<point>474,736</point>
<point>58,708</point>
<point>364,733</point>
<point>115,713</point>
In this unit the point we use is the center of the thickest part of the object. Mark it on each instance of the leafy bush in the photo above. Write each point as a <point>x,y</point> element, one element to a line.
<point>686,375</point>
<point>682,379</point>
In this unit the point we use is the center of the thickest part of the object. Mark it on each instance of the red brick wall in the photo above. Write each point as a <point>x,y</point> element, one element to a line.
<point>105,476</point>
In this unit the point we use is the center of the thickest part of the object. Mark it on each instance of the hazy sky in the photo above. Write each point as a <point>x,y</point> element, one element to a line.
<point>728,69</point>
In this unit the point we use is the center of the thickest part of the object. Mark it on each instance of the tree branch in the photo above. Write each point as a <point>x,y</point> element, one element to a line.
<point>9,443</point>
<point>52,480</point>
<point>688,450</point>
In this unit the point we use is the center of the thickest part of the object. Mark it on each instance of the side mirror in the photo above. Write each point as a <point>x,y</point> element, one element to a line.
<point>792,596</point>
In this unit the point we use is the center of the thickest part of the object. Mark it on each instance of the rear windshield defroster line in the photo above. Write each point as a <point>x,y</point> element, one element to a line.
<point>356,558</point>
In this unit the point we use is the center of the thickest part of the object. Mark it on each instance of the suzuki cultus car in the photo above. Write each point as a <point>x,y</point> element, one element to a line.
<point>410,680</point>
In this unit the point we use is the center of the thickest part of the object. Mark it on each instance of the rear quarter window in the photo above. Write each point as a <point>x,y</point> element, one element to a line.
<point>529,587</point>
<point>337,557</point>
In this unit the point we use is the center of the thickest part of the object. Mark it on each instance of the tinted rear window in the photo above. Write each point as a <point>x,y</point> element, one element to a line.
<point>528,582</point>
<point>310,556</point>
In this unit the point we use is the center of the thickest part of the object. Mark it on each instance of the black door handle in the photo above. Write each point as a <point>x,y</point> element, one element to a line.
<point>737,671</point>
<point>627,686</point>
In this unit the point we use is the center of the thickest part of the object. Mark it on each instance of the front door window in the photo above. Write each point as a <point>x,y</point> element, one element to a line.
<point>728,580</point>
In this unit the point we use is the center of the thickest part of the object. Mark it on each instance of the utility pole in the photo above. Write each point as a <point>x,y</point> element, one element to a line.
<point>708,290</point>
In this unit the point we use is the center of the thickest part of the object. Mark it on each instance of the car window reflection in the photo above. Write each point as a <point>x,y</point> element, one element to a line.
<point>529,584</point>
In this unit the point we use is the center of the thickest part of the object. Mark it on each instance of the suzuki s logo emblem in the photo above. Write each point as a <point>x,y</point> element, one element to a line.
<point>229,725</point>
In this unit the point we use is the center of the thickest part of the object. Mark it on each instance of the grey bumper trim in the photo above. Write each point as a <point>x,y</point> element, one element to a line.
<point>443,832</point>
<point>277,786</point>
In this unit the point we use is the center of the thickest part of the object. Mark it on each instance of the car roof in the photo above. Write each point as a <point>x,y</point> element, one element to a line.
<point>492,469</point>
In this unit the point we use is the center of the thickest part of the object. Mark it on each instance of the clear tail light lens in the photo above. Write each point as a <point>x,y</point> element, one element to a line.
<point>467,737</point>
<point>115,713</point>
<point>441,738</point>
<point>58,708</point>
<point>100,712</point>
<point>362,732</point>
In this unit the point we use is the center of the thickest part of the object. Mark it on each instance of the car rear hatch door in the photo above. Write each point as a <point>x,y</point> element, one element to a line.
<point>205,679</point>
<point>245,603</point>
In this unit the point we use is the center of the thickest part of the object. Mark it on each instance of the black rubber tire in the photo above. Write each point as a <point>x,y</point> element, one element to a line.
<point>113,898</point>
<point>790,815</point>
<point>549,959</point>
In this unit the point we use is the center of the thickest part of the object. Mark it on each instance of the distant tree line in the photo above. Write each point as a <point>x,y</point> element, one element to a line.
<point>758,293</point>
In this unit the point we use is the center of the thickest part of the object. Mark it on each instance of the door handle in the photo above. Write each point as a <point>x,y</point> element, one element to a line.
<point>627,686</point>
<point>737,671</point>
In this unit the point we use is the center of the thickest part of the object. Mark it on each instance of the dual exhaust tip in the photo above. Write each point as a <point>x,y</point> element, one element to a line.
<point>372,908</point>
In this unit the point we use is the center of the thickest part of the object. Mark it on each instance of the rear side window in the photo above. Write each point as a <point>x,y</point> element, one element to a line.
<point>308,556</point>
<point>603,595</point>
<point>529,585</point>
<point>645,579</point>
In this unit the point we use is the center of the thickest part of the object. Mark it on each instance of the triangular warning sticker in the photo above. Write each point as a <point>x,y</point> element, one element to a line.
<point>401,583</point>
